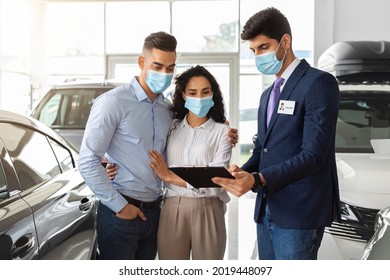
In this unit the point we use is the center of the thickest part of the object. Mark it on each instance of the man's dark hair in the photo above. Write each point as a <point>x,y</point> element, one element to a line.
<point>269,22</point>
<point>217,112</point>
<point>160,40</point>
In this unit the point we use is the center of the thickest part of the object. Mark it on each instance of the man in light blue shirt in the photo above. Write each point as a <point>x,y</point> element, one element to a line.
<point>125,124</point>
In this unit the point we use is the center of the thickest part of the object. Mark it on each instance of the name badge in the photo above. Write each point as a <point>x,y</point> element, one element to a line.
<point>286,107</point>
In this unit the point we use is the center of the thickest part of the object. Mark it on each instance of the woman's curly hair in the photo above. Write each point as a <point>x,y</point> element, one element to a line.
<point>217,112</point>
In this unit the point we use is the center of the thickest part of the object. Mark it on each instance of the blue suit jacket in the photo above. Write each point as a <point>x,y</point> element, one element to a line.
<point>296,154</point>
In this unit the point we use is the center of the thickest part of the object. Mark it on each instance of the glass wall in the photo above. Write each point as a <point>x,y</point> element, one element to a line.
<point>74,41</point>
<point>199,26</point>
<point>128,23</point>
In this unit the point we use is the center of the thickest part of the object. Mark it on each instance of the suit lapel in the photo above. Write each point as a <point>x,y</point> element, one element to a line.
<point>288,88</point>
<point>293,80</point>
<point>262,117</point>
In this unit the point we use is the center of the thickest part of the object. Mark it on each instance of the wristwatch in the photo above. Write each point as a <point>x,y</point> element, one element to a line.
<point>258,184</point>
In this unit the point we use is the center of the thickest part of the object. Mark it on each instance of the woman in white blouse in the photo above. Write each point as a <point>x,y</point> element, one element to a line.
<point>192,223</point>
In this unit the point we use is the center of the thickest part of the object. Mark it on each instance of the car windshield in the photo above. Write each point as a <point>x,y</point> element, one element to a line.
<point>363,116</point>
<point>67,108</point>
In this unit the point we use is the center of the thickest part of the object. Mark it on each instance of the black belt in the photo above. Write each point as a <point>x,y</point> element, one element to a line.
<point>156,204</point>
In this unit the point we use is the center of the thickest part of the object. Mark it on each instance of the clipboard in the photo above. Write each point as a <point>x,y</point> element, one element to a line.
<point>200,176</point>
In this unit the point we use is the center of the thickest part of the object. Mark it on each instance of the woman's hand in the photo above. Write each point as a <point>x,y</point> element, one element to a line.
<point>159,166</point>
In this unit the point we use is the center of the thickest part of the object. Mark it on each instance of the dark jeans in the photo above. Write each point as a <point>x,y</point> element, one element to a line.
<point>120,239</point>
<point>276,243</point>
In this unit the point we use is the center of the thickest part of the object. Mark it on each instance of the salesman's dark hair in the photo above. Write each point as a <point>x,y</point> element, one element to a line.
<point>269,22</point>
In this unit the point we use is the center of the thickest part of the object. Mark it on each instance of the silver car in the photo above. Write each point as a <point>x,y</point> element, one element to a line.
<point>66,107</point>
<point>378,247</point>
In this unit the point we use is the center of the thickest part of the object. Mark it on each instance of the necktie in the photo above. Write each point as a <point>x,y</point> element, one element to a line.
<point>274,97</point>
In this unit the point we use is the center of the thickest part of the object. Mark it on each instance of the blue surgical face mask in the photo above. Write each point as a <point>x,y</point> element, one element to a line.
<point>199,106</point>
<point>157,81</point>
<point>268,63</point>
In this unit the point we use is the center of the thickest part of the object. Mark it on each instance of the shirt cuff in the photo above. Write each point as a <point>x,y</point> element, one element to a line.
<point>117,203</point>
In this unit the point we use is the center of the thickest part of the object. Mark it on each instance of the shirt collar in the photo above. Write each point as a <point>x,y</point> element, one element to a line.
<point>207,125</point>
<point>287,73</point>
<point>139,92</point>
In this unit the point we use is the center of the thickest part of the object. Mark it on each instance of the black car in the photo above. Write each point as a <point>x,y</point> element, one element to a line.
<point>46,209</point>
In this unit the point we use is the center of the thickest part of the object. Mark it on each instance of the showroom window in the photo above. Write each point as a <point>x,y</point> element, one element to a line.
<point>15,46</point>
<point>74,41</point>
<point>200,29</point>
<point>128,23</point>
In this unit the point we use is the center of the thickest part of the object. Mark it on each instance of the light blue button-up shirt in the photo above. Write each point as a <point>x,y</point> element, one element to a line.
<point>124,124</point>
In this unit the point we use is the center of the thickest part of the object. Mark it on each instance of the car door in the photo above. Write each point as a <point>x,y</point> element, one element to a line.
<point>18,237</point>
<point>75,207</point>
<point>64,207</point>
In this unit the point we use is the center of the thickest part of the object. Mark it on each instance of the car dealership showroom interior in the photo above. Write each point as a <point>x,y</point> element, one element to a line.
<point>57,57</point>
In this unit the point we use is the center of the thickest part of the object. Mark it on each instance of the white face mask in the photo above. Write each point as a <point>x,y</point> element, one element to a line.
<point>157,81</point>
<point>268,63</point>
<point>199,106</point>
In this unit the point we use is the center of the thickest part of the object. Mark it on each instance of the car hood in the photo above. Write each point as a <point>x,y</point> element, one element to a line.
<point>364,179</point>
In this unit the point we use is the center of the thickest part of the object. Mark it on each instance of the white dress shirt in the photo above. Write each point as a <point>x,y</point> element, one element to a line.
<point>204,145</point>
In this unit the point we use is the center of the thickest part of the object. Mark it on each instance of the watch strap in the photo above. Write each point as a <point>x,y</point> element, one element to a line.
<point>257,185</point>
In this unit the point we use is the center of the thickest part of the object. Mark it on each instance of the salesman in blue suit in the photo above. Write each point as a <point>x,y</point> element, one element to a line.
<point>293,166</point>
